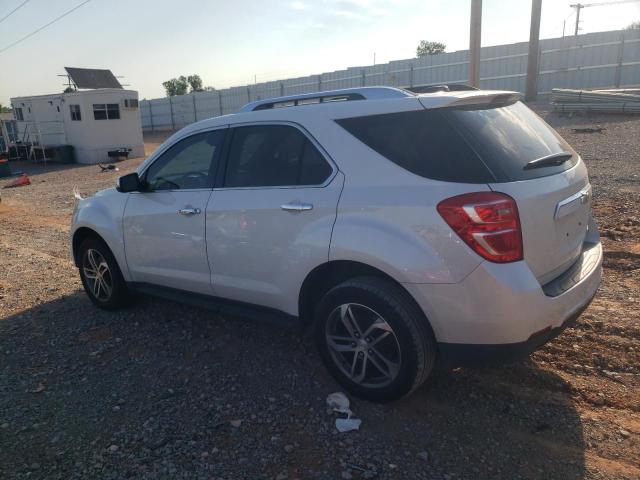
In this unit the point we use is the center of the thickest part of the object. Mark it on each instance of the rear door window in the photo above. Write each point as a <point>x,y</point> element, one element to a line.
<point>273,156</point>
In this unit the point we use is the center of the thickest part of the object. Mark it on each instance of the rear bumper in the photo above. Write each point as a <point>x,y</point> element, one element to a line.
<point>500,312</point>
<point>460,355</point>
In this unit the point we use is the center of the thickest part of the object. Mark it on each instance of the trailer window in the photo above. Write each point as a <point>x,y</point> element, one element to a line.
<point>19,116</point>
<point>109,111</point>
<point>75,112</point>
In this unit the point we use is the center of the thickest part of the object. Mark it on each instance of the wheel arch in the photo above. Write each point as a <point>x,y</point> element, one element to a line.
<point>326,276</point>
<point>79,236</point>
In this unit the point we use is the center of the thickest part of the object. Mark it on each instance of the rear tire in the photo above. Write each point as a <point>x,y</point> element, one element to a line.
<point>101,277</point>
<point>374,339</point>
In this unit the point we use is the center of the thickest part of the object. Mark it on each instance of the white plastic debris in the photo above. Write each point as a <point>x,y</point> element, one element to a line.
<point>339,402</point>
<point>347,424</point>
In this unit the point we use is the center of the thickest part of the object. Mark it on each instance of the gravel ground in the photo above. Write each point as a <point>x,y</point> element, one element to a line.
<point>163,390</point>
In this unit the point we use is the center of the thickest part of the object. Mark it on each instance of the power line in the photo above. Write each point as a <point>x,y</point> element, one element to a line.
<point>14,10</point>
<point>44,26</point>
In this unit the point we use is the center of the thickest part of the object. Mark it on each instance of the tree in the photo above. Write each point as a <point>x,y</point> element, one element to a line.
<point>176,86</point>
<point>634,25</point>
<point>429,48</point>
<point>4,109</point>
<point>209,89</point>
<point>69,90</point>
<point>196,83</point>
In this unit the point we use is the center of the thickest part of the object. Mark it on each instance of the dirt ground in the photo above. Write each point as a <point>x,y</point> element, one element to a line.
<point>162,390</point>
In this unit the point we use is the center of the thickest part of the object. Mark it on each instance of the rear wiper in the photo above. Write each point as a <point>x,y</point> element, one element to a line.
<point>552,160</point>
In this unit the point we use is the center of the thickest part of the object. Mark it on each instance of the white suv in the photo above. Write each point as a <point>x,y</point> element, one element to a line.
<point>403,228</point>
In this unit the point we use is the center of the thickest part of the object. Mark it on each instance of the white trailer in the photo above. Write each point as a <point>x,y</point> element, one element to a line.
<point>94,122</point>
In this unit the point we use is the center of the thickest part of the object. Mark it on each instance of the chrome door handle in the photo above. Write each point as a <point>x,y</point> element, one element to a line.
<point>296,207</point>
<point>189,211</point>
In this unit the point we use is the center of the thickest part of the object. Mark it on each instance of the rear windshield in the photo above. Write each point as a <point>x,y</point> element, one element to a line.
<point>464,145</point>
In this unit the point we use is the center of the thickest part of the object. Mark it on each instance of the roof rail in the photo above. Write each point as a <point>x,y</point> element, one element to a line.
<point>346,94</point>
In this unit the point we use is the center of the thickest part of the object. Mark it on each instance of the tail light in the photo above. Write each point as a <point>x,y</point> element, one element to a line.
<point>488,222</point>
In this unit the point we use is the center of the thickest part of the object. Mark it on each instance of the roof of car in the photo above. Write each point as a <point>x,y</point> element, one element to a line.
<point>350,102</point>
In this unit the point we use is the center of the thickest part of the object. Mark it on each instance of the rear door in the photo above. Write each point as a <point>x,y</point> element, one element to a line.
<point>535,166</point>
<point>270,221</point>
<point>164,227</point>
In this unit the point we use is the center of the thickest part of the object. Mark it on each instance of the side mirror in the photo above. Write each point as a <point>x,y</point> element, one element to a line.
<point>130,183</point>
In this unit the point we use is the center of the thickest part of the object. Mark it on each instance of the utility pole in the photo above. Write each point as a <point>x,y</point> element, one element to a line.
<point>578,7</point>
<point>474,43</point>
<point>531,91</point>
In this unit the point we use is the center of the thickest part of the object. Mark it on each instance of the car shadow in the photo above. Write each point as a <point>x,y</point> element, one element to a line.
<point>163,383</point>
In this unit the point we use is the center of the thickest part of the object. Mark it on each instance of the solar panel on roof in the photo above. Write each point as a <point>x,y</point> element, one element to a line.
<point>92,78</point>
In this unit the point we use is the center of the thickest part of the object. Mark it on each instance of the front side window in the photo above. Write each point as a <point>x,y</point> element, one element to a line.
<point>19,115</point>
<point>109,111</point>
<point>75,112</point>
<point>272,156</point>
<point>189,164</point>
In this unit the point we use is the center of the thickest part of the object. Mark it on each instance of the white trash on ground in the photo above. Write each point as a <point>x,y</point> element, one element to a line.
<point>339,402</point>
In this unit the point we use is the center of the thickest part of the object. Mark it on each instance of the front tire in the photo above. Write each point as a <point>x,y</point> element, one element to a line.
<point>101,277</point>
<point>373,339</point>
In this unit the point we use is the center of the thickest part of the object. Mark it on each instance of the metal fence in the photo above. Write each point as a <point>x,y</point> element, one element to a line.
<point>603,59</point>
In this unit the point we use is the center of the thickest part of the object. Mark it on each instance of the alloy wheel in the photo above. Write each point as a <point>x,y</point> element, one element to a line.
<point>363,345</point>
<point>97,274</point>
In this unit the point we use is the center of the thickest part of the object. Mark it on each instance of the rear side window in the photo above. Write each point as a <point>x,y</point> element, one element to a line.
<point>465,145</point>
<point>509,137</point>
<point>272,156</point>
<point>421,142</point>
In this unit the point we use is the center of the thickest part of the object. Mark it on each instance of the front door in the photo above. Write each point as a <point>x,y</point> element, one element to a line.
<point>270,222</point>
<point>164,226</point>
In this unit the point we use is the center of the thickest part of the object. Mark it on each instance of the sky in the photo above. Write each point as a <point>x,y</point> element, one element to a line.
<point>230,43</point>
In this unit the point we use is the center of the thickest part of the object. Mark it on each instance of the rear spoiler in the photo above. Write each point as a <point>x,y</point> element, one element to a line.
<point>474,98</point>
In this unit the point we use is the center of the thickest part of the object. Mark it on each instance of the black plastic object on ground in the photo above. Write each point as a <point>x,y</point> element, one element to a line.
<point>5,168</point>
<point>119,153</point>
<point>63,154</point>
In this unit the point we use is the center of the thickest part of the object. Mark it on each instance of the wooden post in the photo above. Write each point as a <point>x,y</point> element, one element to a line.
<point>531,89</point>
<point>195,114</point>
<point>620,58</point>
<point>474,43</point>
<point>151,116</point>
<point>173,123</point>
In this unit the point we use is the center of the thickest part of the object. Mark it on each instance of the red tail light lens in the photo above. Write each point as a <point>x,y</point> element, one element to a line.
<point>488,222</point>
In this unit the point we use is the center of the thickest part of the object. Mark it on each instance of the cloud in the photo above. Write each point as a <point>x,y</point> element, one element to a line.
<point>360,9</point>
<point>299,6</point>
